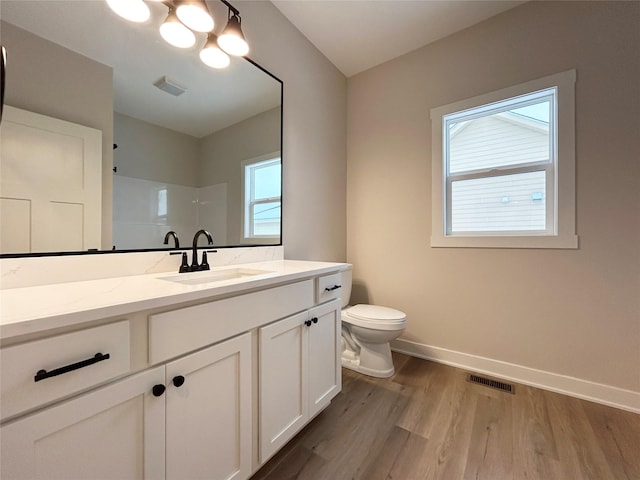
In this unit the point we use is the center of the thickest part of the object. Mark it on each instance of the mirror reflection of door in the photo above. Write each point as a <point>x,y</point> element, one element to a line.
<point>50,192</point>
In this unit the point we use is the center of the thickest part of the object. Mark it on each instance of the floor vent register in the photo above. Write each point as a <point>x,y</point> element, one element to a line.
<point>487,382</point>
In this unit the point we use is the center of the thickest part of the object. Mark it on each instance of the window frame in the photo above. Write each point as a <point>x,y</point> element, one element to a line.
<point>560,171</point>
<point>249,203</point>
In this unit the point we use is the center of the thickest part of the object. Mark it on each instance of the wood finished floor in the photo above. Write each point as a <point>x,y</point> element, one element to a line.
<point>428,422</point>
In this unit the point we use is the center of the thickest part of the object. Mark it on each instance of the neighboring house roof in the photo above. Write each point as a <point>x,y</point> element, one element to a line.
<point>494,140</point>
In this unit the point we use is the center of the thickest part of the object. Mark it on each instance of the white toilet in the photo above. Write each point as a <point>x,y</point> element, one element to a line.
<point>366,333</point>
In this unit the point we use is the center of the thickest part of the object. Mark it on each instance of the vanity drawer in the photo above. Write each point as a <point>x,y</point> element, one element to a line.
<point>175,333</point>
<point>39,372</point>
<point>328,287</point>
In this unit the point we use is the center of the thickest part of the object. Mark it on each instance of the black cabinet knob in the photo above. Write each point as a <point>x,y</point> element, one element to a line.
<point>178,381</point>
<point>307,323</point>
<point>314,320</point>
<point>158,390</point>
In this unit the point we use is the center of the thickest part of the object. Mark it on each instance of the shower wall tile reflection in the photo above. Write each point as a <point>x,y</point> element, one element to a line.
<point>144,211</point>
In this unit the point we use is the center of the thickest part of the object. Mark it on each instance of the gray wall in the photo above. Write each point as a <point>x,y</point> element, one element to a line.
<point>42,78</point>
<point>314,145</point>
<point>570,312</point>
<point>151,152</point>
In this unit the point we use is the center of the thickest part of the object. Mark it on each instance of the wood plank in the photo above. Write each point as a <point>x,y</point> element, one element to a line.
<point>578,449</point>
<point>371,413</point>
<point>491,448</point>
<point>430,381</point>
<point>616,432</point>
<point>450,436</point>
<point>402,456</point>
<point>299,462</point>
<point>535,453</point>
<point>428,422</point>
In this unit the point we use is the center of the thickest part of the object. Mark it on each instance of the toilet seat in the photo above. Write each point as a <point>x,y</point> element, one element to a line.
<point>375,317</point>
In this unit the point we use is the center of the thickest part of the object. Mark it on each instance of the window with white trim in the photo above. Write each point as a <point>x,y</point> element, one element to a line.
<point>262,185</point>
<point>504,168</point>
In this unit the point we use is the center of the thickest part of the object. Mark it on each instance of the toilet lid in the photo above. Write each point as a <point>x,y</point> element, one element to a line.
<point>376,313</point>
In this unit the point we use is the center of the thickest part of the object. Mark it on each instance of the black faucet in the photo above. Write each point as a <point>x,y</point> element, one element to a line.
<point>194,257</point>
<point>175,238</point>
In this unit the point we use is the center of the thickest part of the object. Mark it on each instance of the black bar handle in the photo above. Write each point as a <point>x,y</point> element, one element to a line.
<point>43,374</point>
<point>331,289</point>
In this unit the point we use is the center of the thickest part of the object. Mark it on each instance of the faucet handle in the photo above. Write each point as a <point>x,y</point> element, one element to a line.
<point>184,267</point>
<point>205,264</point>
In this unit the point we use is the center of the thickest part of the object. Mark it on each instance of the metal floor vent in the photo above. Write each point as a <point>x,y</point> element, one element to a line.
<point>487,382</point>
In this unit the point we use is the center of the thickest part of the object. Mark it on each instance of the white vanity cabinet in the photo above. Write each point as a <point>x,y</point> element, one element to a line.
<point>209,387</point>
<point>300,372</point>
<point>208,419</point>
<point>114,432</point>
<point>188,419</point>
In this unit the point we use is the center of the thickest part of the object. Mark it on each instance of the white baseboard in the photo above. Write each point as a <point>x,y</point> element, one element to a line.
<point>575,387</point>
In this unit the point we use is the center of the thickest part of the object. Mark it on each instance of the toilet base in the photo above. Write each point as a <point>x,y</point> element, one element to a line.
<point>370,359</point>
<point>351,365</point>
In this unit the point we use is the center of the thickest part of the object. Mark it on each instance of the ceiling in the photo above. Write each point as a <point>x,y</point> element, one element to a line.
<point>356,35</point>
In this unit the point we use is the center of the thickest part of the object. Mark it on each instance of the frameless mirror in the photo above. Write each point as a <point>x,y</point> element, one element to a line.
<point>193,147</point>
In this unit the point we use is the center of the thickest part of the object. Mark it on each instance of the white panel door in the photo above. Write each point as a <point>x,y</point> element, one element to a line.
<point>115,432</point>
<point>51,184</point>
<point>325,370</point>
<point>209,413</point>
<point>283,382</point>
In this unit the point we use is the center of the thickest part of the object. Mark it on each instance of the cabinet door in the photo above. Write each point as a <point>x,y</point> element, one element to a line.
<point>114,432</point>
<point>283,382</point>
<point>209,413</point>
<point>325,372</point>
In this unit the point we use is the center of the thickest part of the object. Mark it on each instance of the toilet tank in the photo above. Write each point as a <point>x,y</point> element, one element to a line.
<point>346,277</point>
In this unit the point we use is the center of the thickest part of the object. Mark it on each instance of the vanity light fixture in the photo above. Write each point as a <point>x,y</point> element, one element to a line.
<point>185,20</point>
<point>175,33</point>
<point>211,54</point>
<point>132,10</point>
<point>232,39</point>
<point>195,15</point>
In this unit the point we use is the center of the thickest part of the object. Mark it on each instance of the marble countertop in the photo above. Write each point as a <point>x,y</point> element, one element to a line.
<point>30,310</point>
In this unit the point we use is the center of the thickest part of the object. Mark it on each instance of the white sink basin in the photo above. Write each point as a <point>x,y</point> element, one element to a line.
<point>211,276</point>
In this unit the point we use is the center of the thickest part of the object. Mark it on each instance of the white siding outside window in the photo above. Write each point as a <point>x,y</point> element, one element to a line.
<point>505,203</point>
<point>503,168</point>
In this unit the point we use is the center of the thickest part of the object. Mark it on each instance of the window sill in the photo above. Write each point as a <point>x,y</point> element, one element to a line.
<point>261,240</point>
<point>555,241</point>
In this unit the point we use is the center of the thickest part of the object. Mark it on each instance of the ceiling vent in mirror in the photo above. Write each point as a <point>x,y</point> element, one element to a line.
<point>170,86</point>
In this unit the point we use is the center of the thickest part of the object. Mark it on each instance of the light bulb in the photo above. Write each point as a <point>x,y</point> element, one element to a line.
<point>132,10</point>
<point>195,16</point>
<point>175,33</point>
<point>211,54</point>
<point>232,39</point>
